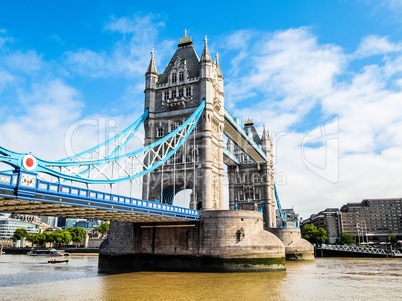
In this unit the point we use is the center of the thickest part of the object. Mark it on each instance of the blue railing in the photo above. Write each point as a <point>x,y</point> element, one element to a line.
<point>66,191</point>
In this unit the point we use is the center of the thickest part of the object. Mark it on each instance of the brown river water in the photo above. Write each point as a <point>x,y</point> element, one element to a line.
<point>24,277</point>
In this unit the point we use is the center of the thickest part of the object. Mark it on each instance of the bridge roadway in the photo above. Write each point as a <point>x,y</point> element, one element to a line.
<point>22,192</point>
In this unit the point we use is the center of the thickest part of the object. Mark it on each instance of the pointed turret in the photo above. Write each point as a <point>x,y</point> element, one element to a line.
<point>218,67</point>
<point>151,80</point>
<point>207,69</point>
<point>205,57</point>
<point>266,143</point>
<point>152,66</point>
<point>230,145</point>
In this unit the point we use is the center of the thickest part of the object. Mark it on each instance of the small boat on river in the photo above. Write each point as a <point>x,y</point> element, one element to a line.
<point>46,252</point>
<point>58,261</point>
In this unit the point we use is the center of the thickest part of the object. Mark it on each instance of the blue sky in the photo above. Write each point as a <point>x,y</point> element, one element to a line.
<point>324,76</point>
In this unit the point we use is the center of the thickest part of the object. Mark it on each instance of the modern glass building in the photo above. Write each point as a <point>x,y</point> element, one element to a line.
<point>9,225</point>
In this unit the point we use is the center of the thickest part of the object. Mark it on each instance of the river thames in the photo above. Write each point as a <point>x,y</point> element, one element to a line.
<point>24,277</point>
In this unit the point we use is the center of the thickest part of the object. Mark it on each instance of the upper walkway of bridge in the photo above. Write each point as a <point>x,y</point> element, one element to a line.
<point>239,136</point>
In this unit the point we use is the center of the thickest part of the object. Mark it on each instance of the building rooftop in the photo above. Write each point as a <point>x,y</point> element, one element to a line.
<point>184,52</point>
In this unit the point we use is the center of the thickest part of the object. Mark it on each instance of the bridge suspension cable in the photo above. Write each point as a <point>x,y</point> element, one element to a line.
<point>111,164</point>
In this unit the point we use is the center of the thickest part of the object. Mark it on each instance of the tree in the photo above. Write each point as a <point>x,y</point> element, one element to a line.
<point>77,234</point>
<point>393,239</point>
<point>308,232</point>
<point>104,228</point>
<point>345,239</point>
<point>38,238</point>
<point>19,233</point>
<point>321,236</point>
<point>61,236</point>
<point>314,235</point>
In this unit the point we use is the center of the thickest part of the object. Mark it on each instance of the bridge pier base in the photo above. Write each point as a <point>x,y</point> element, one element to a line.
<point>296,248</point>
<point>222,241</point>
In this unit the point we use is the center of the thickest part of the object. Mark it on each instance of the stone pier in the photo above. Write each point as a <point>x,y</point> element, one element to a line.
<point>222,241</point>
<point>296,248</point>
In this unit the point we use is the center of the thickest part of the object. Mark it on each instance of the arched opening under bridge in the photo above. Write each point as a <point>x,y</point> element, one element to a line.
<point>177,195</point>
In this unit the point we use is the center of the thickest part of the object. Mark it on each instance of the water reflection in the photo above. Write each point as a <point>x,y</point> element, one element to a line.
<point>195,286</point>
<point>30,278</point>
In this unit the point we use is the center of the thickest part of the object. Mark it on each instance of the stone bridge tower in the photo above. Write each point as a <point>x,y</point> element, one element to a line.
<point>171,97</point>
<point>251,184</point>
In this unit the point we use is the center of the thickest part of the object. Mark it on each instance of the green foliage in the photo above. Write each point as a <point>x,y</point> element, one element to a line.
<point>19,233</point>
<point>77,234</point>
<point>308,232</point>
<point>321,236</point>
<point>104,228</point>
<point>61,236</point>
<point>393,239</point>
<point>39,238</point>
<point>345,239</point>
<point>314,235</point>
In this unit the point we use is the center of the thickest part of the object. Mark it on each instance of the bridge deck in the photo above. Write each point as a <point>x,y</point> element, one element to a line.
<point>52,199</point>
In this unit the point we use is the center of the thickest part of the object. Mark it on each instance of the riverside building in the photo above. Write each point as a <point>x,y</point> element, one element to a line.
<point>330,220</point>
<point>9,225</point>
<point>371,220</point>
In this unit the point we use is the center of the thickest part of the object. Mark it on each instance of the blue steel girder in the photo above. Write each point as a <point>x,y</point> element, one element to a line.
<point>237,134</point>
<point>281,214</point>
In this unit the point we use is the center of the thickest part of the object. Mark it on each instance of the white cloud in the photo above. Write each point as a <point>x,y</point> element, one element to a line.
<point>123,25</point>
<point>136,25</point>
<point>26,62</point>
<point>292,74</point>
<point>46,112</point>
<point>291,67</point>
<point>391,10</point>
<point>130,55</point>
<point>5,79</point>
<point>375,45</point>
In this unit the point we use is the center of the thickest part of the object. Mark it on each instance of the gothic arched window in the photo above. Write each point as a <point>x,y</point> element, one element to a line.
<point>159,132</point>
<point>174,77</point>
<point>188,91</point>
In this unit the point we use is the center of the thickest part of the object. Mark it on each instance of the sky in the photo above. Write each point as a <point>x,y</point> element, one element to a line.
<point>325,77</point>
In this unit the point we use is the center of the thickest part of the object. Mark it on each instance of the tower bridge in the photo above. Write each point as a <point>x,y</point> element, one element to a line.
<point>184,122</point>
